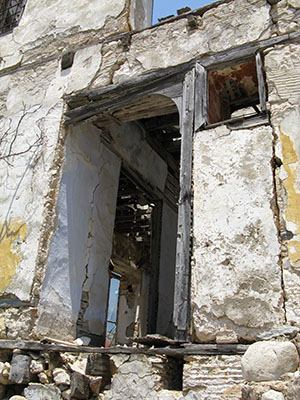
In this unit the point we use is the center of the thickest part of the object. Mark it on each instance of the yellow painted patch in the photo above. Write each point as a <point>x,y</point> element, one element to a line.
<point>290,164</point>
<point>11,233</point>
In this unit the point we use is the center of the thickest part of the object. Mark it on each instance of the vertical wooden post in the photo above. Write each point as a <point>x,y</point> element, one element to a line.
<point>261,82</point>
<point>154,274</point>
<point>201,97</point>
<point>182,273</point>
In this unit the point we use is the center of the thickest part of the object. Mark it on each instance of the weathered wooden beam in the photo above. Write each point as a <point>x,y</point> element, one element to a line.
<point>182,272</point>
<point>194,349</point>
<point>245,121</point>
<point>153,294</point>
<point>201,97</point>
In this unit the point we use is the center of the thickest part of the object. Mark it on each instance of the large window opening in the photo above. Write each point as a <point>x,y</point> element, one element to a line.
<point>145,137</point>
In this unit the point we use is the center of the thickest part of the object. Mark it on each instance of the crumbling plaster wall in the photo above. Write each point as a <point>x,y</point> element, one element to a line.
<point>81,245</point>
<point>236,275</point>
<point>283,78</point>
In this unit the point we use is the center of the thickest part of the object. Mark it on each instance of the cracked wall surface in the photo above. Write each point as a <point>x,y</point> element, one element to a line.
<point>236,276</point>
<point>82,242</point>
<point>283,71</point>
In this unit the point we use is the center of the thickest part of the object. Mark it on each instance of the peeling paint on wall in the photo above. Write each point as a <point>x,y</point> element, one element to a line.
<point>12,234</point>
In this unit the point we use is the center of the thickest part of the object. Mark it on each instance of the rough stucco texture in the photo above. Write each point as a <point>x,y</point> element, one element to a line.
<point>236,277</point>
<point>283,71</point>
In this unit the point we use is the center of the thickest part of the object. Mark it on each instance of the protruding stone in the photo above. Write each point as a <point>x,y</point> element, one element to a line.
<point>20,368</point>
<point>265,361</point>
<point>95,385</point>
<point>272,395</point>
<point>79,386</point>
<point>2,391</point>
<point>61,377</point>
<point>43,378</point>
<point>36,391</point>
<point>286,331</point>
<point>36,367</point>
<point>66,394</point>
<point>16,397</point>
<point>4,373</point>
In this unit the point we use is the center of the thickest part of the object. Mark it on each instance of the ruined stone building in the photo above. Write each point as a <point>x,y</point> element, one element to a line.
<point>150,200</point>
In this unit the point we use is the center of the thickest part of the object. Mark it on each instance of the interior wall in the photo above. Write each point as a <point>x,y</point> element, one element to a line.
<point>81,246</point>
<point>130,143</point>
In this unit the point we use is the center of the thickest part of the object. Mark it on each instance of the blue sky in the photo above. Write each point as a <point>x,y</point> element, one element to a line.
<point>163,8</point>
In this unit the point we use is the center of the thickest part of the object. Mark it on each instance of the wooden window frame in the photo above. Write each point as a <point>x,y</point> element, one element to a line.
<point>202,97</point>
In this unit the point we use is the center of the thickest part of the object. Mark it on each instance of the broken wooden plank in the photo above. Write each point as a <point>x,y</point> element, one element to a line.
<point>182,272</point>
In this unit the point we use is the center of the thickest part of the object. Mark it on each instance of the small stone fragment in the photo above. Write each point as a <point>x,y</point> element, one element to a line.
<point>83,341</point>
<point>43,378</point>
<point>36,391</point>
<point>16,397</point>
<point>20,372</point>
<point>4,373</point>
<point>36,367</point>
<point>95,384</point>
<point>79,386</point>
<point>66,394</point>
<point>61,377</point>
<point>272,395</point>
<point>265,361</point>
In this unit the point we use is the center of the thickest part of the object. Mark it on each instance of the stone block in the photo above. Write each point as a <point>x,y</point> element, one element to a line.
<point>265,361</point>
<point>4,373</point>
<point>66,394</point>
<point>20,369</point>
<point>43,378</point>
<point>79,386</point>
<point>36,367</point>
<point>61,377</point>
<point>36,391</point>
<point>18,398</point>
<point>272,395</point>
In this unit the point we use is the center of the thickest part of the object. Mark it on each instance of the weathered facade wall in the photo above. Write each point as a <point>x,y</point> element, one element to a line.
<point>59,183</point>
